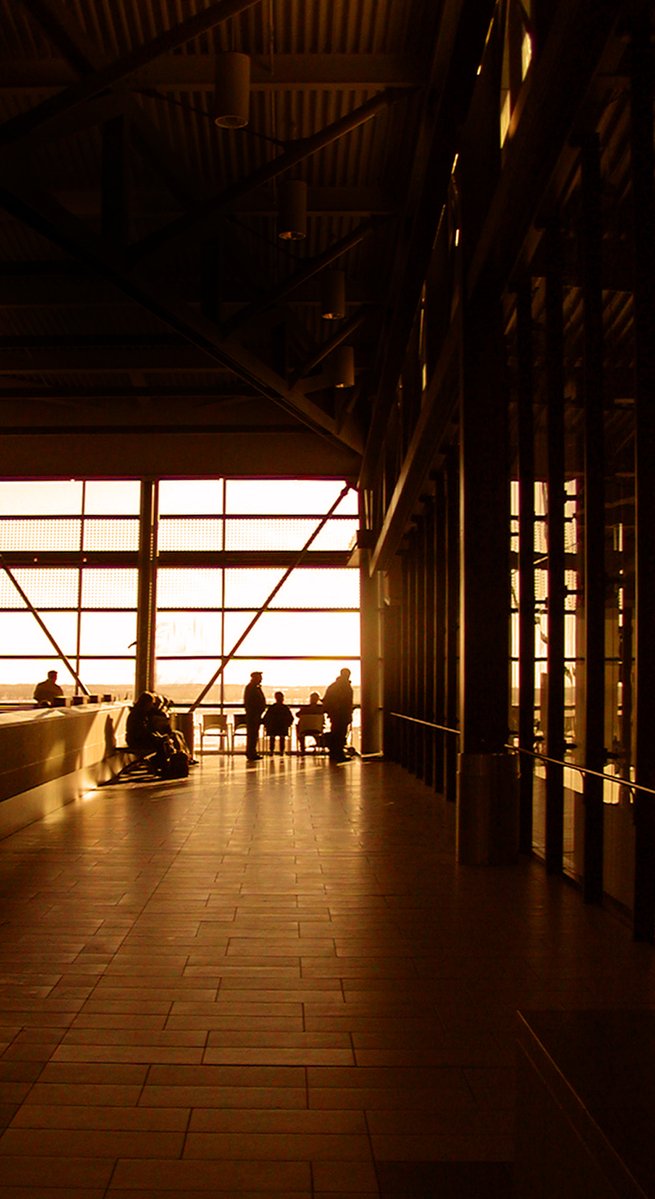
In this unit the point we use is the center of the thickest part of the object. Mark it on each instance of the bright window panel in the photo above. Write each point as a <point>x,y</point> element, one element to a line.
<point>20,677</point>
<point>191,496</point>
<point>40,534</point>
<point>107,633</point>
<point>33,498</point>
<point>295,633</point>
<point>197,588</point>
<point>104,587</point>
<point>296,679</point>
<point>189,633</point>
<point>20,633</point>
<point>120,533</point>
<point>121,497</point>
<point>44,588</point>
<point>189,534</point>
<point>99,675</point>
<point>292,533</point>
<point>304,588</point>
<point>287,496</point>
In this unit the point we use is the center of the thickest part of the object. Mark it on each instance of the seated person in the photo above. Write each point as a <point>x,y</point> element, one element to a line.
<point>313,708</point>
<point>141,737</point>
<point>148,730</point>
<point>48,690</point>
<point>278,719</point>
<point>160,721</point>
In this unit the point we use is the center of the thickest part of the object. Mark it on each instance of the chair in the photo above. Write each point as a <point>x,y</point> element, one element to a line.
<point>310,725</point>
<point>214,724</point>
<point>239,727</point>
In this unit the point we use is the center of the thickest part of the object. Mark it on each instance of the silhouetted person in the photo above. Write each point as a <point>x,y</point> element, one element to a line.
<point>338,703</point>
<point>141,737</point>
<point>48,690</point>
<point>278,719</point>
<point>160,722</point>
<point>254,703</point>
<point>313,708</point>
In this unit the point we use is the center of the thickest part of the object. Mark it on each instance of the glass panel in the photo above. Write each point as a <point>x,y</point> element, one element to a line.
<point>118,497</point>
<point>108,632</point>
<point>44,588</point>
<point>20,676</point>
<point>288,496</point>
<point>296,679</point>
<point>304,588</point>
<point>290,533</point>
<point>296,633</point>
<point>189,633</point>
<point>119,533</point>
<point>196,588</point>
<point>111,675</point>
<point>194,496</point>
<point>105,587</point>
<point>190,534</point>
<point>39,534</point>
<point>20,632</point>
<point>27,498</point>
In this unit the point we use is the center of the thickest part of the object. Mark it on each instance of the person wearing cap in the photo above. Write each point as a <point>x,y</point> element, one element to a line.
<point>254,703</point>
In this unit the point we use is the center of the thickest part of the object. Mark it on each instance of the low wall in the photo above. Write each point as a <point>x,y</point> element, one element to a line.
<point>50,756</point>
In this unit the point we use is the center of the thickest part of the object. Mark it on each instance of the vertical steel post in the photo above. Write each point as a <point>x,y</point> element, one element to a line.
<point>555,652</point>
<point>147,589</point>
<point>641,135</point>
<point>594,518</point>
<point>526,558</point>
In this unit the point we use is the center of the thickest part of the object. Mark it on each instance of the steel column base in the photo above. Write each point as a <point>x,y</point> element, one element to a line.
<point>487,809</point>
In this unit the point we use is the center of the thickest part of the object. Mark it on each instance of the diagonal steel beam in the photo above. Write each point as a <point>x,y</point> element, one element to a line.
<point>266,604</point>
<point>43,626</point>
<point>47,217</point>
<point>56,106</point>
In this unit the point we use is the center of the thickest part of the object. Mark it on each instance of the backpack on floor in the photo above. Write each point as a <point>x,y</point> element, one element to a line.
<point>171,762</point>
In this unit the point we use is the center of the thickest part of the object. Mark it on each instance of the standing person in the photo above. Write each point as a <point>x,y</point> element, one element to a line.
<point>47,690</point>
<point>338,703</point>
<point>254,702</point>
<point>278,719</point>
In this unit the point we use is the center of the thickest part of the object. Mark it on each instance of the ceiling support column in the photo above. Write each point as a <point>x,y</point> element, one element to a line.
<point>526,572</point>
<point>644,310</point>
<point>552,687</point>
<point>487,799</point>
<point>147,589</point>
<point>594,520</point>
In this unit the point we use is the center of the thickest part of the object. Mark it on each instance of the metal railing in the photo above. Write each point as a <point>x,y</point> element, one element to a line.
<point>517,749</point>
<point>441,728</point>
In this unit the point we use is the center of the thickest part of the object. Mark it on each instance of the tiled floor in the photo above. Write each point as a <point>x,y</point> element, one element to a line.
<point>274,980</point>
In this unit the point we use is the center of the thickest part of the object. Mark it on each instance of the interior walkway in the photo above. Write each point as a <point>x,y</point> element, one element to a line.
<point>274,980</point>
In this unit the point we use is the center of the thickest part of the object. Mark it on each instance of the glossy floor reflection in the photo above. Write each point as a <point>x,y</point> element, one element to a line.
<point>274,980</point>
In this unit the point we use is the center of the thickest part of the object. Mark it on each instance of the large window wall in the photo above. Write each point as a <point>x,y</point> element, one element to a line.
<point>70,585</point>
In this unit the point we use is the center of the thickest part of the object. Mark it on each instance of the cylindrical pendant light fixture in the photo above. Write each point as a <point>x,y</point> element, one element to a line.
<point>292,212</point>
<point>343,366</point>
<point>333,305</point>
<point>232,90</point>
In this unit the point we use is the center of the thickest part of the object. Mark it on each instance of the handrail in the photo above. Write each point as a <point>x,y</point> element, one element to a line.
<point>428,723</point>
<point>608,778</point>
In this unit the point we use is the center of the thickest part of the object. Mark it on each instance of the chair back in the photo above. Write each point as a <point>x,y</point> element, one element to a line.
<point>310,723</point>
<point>213,723</point>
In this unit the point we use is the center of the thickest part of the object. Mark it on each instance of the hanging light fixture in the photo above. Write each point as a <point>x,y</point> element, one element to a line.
<point>232,90</point>
<point>343,366</point>
<point>292,211</point>
<point>333,305</point>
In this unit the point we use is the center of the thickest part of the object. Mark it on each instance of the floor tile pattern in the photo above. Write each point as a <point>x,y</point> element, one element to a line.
<point>274,980</point>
